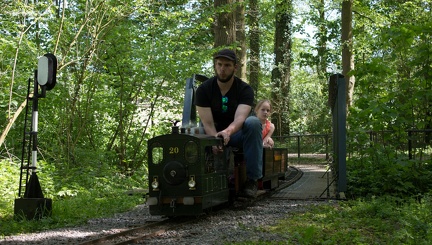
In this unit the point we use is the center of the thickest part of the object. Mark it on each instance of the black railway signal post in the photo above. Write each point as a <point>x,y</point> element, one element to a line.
<point>337,103</point>
<point>31,203</point>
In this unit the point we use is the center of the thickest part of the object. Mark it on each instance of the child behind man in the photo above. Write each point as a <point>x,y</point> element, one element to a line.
<point>263,111</point>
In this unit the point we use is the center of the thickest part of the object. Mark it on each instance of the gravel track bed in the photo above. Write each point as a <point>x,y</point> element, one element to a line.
<point>223,227</point>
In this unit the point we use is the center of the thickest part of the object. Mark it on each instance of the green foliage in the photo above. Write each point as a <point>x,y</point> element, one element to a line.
<point>393,70</point>
<point>375,221</point>
<point>122,67</point>
<point>393,86</point>
<point>78,195</point>
<point>9,177</point>
<point>382,167</point>
<point>309,112</point>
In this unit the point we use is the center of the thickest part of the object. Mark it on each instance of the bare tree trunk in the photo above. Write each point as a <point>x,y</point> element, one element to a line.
<point>322,41</point>
<point>13,119</point>
<point>241,39</point>
<point>254,37</point>
<point>224,27</point>
<point>347,49</point>
<point>282,72</point>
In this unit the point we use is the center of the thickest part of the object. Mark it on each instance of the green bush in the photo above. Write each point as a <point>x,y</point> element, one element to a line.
<point>380,171</point>
<point>382,220</point>
<point>78,195</point>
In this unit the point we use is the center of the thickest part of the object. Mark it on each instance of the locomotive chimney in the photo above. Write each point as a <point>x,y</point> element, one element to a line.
<point>175,128</point>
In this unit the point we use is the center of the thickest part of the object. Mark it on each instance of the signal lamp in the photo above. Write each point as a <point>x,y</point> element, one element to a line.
<point>47,70</point>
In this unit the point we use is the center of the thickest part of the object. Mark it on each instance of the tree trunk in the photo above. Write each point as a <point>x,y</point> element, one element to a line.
<point>347,49</point>
<point>282,71</point>
<point>254,37</point>
<point>322,41</point>
<point>241,39</point>
<point>224,27</point>
<point>13,119</point>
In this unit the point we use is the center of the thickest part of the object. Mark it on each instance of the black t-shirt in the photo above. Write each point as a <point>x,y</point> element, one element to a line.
<point>223,109</point>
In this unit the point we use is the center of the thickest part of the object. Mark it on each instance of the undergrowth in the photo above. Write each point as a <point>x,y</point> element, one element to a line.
<point>382,220</point>
<point>77,195</point>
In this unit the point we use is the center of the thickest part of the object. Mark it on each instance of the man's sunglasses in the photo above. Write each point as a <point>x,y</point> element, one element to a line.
<point>224,104</point>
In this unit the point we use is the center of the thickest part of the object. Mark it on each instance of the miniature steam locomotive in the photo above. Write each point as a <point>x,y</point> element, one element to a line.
<point>186,178</point>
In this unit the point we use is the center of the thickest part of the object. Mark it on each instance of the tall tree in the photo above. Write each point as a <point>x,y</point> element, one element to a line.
<point>224,26</point>
<point>241,39</point>
<point>254,40</point>
<point>229,30</point>
<point>347,49</point>
<point>282,71</point>
<point>322,40</point>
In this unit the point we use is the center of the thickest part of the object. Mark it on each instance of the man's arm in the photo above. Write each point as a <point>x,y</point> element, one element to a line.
<point>240,116</point>
<point>206,118</point>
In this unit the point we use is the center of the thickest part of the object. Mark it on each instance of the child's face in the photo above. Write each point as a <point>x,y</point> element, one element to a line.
<point>264,111</point>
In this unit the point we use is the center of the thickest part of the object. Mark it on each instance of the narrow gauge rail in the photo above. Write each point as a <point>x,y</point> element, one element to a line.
<point>141,233</point>
<point>148,231</point>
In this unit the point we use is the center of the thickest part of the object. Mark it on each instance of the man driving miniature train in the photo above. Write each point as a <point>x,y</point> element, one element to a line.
<point>224,103</point>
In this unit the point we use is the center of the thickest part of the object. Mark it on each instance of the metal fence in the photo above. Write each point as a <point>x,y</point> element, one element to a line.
<point>305,144</point>
<point>414,143</point>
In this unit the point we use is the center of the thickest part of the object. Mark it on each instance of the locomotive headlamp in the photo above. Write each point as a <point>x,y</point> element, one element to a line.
<point>192,182</point>
<point>155,183</point>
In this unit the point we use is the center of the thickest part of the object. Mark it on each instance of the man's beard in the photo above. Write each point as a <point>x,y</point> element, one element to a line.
<point>226,79</point>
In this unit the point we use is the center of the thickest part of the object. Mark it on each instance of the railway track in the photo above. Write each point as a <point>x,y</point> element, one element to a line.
<point>157,228</point>
<point>141,233</point>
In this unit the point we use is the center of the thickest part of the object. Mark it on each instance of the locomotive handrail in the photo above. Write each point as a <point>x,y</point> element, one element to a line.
<point>189,119</point>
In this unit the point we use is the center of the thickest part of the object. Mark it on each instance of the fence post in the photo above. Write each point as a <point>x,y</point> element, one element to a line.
<point>409,144</point>
<point>327,144</point>
<point>298,146</point>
